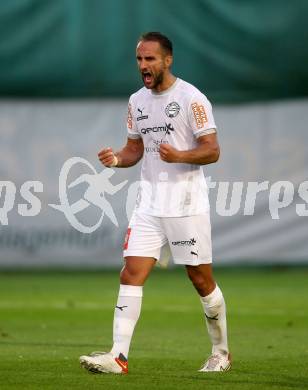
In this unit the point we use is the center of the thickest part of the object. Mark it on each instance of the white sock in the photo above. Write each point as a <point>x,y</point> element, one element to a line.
<point>215,314</point>
<point>126,314</point>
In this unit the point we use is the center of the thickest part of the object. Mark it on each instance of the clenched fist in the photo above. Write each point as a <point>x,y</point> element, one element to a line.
<point>169,154</point>
<point>107,157</point>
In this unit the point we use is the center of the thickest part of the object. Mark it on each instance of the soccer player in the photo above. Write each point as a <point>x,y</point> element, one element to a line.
<point>170,125</point>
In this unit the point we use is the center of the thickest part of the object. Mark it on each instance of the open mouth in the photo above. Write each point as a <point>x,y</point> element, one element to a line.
<point>147,77</point>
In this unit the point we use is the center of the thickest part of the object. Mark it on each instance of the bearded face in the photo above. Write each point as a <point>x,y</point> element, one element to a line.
<point>153,64</point>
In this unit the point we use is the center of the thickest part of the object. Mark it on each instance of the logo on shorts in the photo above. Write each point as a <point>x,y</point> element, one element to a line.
<point>141,116</point>
<point>190,242</point>
<point>172,109</point>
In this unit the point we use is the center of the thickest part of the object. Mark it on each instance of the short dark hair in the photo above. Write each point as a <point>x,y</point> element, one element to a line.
<point>164,42</point>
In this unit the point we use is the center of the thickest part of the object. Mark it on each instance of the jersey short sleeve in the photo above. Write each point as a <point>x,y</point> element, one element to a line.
<point>132,131</point>
<point>200,116</point>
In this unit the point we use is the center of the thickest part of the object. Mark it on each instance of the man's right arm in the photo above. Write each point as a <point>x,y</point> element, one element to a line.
<point>128,156</point>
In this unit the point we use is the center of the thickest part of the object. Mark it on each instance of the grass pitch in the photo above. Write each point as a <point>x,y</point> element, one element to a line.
<point>48,319</point>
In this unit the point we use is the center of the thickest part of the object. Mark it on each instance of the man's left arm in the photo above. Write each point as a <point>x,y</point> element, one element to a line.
<point>206,152</point>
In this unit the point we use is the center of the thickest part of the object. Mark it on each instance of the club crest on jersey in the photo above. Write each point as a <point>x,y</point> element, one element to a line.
<point>172,109</point>
<point>141,116</point>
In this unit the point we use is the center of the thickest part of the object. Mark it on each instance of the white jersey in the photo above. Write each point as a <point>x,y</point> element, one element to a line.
<point>176,116</point>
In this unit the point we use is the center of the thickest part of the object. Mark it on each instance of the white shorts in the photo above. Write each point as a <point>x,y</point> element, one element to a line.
<point>189,238</point>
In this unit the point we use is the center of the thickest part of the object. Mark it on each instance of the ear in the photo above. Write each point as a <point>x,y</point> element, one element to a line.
<point>168,60</point>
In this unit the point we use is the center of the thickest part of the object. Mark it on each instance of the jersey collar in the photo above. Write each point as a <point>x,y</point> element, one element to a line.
<point>166,91</point>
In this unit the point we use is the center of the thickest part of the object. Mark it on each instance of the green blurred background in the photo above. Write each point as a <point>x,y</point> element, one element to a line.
<point>235,50</point>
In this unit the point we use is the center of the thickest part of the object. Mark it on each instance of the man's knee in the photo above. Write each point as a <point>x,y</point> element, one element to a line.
<point>129,275</point>
<point>202,280</point>
<point>136,271</point>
